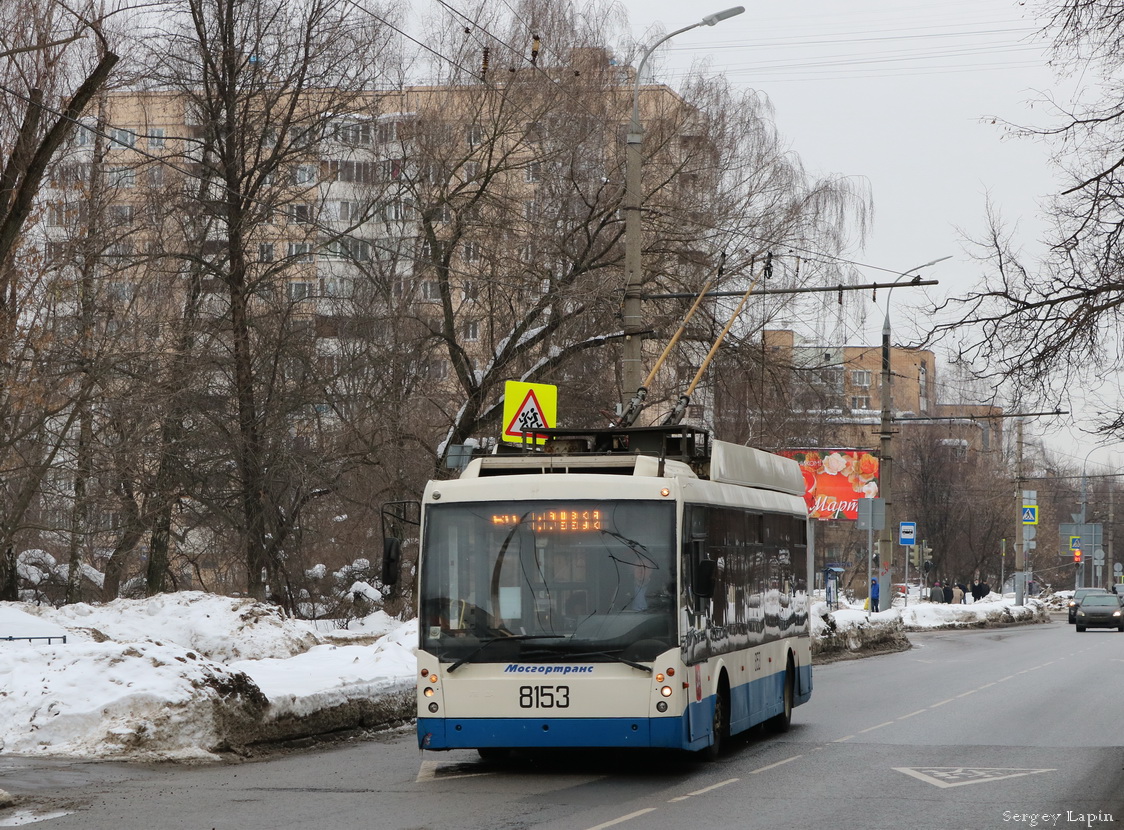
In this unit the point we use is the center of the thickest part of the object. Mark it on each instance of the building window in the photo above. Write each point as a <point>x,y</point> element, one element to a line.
<point>301,214</point>
<point>305,174</point>
<point>265,252</point>
<point>300,290</point>
<point>300,251</point>
<point>155,138</point>
<point>860,377</point>
<point>923,387</point>
<point>435,369</point>
<point>85,136</point>
<point>124,177</point>
<point>430,290</point>
<point>351,212</point>
<point>120,214</point>
<point>471,331</point>
<point>860,402</point>
<point>357,135</point>
<point>532,172</point>
<point>388,131</point>
<point>122,137</point>
<point>356,250</point>
<point>957,448</point>
<point>472,252</point>
<point>475,135</point>
<point>471,290</point>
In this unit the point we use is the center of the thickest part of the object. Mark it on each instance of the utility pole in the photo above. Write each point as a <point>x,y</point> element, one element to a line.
<point>1020,553</point>
<point>886,462</point>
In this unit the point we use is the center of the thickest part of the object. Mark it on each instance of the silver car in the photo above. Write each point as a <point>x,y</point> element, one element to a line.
<point>1100,611</point>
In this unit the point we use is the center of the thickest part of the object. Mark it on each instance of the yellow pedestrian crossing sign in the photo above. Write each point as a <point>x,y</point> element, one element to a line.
<point>1030,514</point>
<point>528,407</point>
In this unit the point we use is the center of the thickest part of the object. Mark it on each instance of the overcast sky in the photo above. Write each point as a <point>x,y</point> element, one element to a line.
<point>897,94</point>
<point>911,98</point>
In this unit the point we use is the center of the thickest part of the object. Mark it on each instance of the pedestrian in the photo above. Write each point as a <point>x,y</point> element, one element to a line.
<point>957,595</point>
<point>963,592</point>
<point>936,593</point>
<point>874,595</point>
<point>948,593</point>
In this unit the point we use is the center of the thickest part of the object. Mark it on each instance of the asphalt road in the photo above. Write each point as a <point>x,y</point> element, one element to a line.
<point>970,730</point>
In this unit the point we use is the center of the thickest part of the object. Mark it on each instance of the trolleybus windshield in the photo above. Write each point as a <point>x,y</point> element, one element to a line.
<point>548,580</point>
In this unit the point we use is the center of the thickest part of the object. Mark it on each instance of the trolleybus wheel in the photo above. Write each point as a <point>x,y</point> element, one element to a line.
<point>781,722</point>
<point>720,724</point>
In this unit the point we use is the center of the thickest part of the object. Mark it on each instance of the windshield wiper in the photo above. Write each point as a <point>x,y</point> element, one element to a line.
<point>612,656</point>
<point>505,638</point>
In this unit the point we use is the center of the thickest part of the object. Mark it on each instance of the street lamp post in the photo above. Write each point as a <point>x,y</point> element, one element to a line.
<point>633,324</point>
<point>886,462</point>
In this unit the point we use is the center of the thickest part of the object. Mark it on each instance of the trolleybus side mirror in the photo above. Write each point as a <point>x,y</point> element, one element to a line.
<point>705,570</point>
<point>391,560</point>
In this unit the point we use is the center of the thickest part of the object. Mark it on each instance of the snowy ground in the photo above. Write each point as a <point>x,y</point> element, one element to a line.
<point>187,676</point>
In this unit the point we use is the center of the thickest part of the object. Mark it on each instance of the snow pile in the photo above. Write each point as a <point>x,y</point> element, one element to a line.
<point>849,632</point>
<point>330,675</point>
<point>220,628</point>
<point>118,699</point>
<point>180,676</point>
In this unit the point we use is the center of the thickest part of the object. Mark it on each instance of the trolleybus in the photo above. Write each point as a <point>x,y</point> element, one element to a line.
<point>640,588</point>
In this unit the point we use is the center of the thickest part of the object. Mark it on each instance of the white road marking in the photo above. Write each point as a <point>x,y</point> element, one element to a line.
<point>911,714</point>
<point>623,819</point>
<point>777,764</point>
<point>872,728</point>
<point>945,777</point>
<point>703,790</point>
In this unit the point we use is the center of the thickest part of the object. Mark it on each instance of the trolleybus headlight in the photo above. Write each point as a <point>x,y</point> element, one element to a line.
<point>666,691</point>
<point>661,706</point>
<point>433,707</point>
<point>428,692</point>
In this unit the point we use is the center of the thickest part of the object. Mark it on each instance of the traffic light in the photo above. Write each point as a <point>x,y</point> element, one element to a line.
<point>915,556</point>
<point>1077,556</point>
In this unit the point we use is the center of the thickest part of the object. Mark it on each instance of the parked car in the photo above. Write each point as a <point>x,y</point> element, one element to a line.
<point>1118,588</point>
<point>1077,598</point>
<point>1103,610</point>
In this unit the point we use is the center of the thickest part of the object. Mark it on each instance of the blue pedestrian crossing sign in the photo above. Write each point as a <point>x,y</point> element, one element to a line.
<point>1030,514</point>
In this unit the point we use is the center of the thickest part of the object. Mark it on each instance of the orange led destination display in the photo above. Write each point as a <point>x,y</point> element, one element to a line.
<point>548,521</point>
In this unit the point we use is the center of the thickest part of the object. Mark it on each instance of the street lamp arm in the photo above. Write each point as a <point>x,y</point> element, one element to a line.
<point>709,20</point>
<point>632,202</point>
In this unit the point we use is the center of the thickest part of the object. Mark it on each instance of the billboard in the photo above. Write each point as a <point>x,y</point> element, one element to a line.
<point>835,480</point>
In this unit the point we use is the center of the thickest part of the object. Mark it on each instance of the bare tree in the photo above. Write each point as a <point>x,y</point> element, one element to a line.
<point>56,59</point>
<point>1052,324</point>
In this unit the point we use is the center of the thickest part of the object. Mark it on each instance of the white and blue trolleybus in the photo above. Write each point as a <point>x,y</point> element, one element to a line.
<point>643,587</point>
